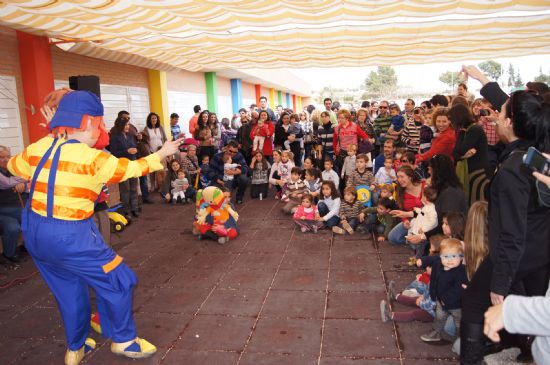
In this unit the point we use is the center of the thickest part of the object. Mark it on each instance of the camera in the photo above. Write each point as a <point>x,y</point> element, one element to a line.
<point>483,113</point>
<point>535,160</point>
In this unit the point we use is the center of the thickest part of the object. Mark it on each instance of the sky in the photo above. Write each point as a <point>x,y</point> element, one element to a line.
<point>417,77</point>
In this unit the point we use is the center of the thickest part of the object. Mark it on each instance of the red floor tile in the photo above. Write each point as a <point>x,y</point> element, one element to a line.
<point>301,280</point>
<point>354,305</point>
<point>188,357</point>
<point>241,302</point>
<point>294,336</point>
<point>368,338</point>
<point>276,359</point>
<point>294,304</point>
<point>247,279</point>
<point>222,333</point>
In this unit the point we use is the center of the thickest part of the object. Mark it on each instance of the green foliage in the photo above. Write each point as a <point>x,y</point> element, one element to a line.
<point>491,68</point>
<point>518,82</point>
<point>511,75</point>
<point>451,79</point>
<point>542,77</point>
<point>382,82</point>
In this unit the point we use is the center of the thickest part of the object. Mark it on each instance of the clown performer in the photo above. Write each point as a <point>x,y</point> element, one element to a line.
<point>215,218</point>
<point>67,170</point>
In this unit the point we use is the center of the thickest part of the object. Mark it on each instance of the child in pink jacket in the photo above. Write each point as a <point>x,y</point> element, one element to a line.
<point>304,216</point>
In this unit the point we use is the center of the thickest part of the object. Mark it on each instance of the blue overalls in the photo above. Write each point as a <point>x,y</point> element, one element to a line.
<point>73,257</point>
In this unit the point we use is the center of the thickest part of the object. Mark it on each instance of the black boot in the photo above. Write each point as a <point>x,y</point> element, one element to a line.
<point>524,344</point>
<point>472,344</point>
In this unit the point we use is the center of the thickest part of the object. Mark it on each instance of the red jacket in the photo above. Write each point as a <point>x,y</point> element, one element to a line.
<point>268,143</point>
<point>352,130</point>
<point>443,144</point>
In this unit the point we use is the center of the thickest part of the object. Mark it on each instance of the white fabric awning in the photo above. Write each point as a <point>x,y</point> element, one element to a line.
<point>226,34</point>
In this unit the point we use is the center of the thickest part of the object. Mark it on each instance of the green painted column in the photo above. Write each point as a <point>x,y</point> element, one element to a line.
<point>211,91</point>
<point>280,97</point>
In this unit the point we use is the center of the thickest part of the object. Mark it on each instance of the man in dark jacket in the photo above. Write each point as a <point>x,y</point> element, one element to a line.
<point>240,174</point>
<point>243,137</point>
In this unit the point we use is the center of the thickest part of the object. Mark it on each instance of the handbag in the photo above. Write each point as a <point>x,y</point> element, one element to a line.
<point>364,146</point>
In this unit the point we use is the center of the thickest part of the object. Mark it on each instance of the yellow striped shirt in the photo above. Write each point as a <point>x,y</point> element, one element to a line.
<point>81,173</point>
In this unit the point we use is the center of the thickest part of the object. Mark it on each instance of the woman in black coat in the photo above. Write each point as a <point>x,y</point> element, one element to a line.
<point>123,144</point>
<point>281,135</point>
<point>519,229</point>
<point>471,146</point>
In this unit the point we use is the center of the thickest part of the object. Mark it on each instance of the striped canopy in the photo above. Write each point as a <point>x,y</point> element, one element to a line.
<point>228,34</point>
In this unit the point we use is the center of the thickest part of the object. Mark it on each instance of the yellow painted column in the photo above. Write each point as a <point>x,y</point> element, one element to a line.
<point>158,97</point>
<point>299,103</point>
<point>272,98</point>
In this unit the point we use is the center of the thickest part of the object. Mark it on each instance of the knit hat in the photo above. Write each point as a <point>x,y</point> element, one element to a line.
<point>72,108</point>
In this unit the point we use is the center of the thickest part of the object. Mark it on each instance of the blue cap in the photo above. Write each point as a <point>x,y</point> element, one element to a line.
<point>73,106</point>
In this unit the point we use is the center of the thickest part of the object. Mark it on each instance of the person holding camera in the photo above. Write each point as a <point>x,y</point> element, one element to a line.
<point>519,254</point>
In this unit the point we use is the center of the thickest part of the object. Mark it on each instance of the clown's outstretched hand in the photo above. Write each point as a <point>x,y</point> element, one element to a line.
<point>169,148</point>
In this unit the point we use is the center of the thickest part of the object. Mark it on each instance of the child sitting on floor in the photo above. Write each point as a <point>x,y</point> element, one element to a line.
<point>180,189</point>
<point>313,182</point>
<point>283,170</point>
<point>361,175</point>
<point>304,217</point>
<point>329,205</point>
<point>447,283</point>
<point>416,294</point>
<point>378,219</point>
<point>294,190</point>
<point>350,210</point>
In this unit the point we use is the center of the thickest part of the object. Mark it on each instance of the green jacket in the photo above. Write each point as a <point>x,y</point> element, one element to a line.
<point>387,220</point>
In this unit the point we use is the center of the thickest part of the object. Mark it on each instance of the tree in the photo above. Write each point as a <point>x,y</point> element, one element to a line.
<point>518,82</point>
<point>492,68</point>
<point>382,82</point>
<point>326,92</point>
<point>542,77</point>
<point>511,75</point>
<point>451,79</point>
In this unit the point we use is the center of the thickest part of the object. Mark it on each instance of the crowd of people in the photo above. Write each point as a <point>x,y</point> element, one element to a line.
<point>445,178</point>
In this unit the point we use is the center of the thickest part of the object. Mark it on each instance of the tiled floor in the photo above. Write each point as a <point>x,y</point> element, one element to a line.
<point>273,296</point>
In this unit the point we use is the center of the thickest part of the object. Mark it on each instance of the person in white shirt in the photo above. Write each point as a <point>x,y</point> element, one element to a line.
<point>329,174</point>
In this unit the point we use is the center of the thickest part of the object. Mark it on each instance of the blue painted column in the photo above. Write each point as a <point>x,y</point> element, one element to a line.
<point>236,95</point>
<point>287,100</point>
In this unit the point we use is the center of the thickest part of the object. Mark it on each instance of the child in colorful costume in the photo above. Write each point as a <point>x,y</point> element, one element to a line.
<point>68,171</point>
<point>215,216</point>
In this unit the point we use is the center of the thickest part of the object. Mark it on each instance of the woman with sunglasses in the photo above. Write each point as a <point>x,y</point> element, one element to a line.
<point>519,253</point>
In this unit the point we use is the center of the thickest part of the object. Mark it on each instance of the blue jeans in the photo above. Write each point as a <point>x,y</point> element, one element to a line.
<point>397,235</point>
<point>419,286</point>
<point>372,224</point>
<point>10,221</point>
<point>323,210</point>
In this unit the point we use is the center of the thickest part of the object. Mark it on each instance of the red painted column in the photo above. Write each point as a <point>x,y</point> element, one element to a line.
<point>35,60</point>
<point>294,103</point>
<point>258,89</point>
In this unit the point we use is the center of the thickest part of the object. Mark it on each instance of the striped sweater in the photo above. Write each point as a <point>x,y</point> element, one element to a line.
<point>381,125</point>
<point>295,188</point>
<point>360,178</point>
<point>350,210</point>
<point>411,136</point>
<point>325,135</point>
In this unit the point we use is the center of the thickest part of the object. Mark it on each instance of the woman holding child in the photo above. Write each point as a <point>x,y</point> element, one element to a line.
<point>409,196</point>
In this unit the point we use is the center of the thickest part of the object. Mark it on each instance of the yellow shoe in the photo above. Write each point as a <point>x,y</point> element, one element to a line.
<point>75,357</point>
<point>94,323</point>
<point>135,349</point>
